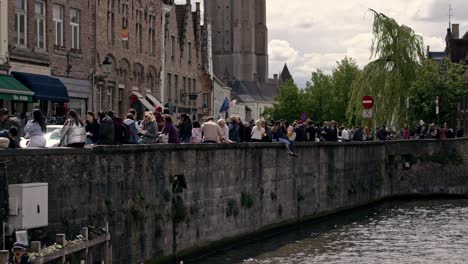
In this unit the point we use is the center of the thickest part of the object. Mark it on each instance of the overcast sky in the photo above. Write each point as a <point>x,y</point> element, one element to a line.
<point>312,34</point>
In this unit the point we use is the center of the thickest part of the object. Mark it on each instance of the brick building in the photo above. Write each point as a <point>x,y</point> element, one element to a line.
<point>130,37</point>
<point>3,36</point>
<point>183,61</point>
<point>50,52</point>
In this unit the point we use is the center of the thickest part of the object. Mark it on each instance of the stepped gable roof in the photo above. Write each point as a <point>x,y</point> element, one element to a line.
<point>180,11</point>
<point>252,91</point>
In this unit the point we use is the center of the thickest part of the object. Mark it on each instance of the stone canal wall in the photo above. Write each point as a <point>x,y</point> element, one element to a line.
<point>232,190</point>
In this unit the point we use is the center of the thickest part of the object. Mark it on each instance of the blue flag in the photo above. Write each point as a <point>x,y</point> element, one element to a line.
<point>224,106</point>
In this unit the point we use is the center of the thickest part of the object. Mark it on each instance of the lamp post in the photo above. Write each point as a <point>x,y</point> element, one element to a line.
<point>107,63</point>
<point>106,70</point>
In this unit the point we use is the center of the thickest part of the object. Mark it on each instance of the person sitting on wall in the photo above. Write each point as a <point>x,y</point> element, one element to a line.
<point>11,134</point>
<point>7,121</point>
<point>19,255</point>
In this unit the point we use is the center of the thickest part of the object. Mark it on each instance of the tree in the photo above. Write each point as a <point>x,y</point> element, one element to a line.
<point>289,103</point>
<point>398,53</point>
<point>433,80</point>
<point>327,96</point>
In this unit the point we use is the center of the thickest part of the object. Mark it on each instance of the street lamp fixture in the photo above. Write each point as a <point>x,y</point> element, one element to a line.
<point>107,64</point>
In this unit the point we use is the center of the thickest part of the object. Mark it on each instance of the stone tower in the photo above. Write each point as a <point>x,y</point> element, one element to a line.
<point>240,39</point>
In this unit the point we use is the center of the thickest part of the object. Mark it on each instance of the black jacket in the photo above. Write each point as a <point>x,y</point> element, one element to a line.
<point>94,130</point>
<point>301,134</point>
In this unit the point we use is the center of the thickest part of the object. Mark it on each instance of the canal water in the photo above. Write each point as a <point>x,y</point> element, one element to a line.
<point>430,231</point>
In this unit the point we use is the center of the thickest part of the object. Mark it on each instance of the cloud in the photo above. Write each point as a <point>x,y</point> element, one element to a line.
<point>311,34</point>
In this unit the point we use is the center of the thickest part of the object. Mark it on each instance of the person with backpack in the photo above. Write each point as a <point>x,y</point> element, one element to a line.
<point>130,130</point>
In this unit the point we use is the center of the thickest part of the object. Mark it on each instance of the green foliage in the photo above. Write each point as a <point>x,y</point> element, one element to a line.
<point>179,210</point>
<point>288,105</point>
<point>328,95</point>
<point>246,200</point>
<point>398,53</point>
<point>232,208</point>
<point>432,80</point>
<point>167,196</point>
<point>324,98</point>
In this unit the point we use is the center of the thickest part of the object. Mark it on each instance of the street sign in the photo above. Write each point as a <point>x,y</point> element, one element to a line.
<point>303,117</point>
<point>367,113</point>
<point>368,102</point>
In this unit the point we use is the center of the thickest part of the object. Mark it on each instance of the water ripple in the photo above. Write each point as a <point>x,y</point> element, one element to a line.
<point>406,232</point>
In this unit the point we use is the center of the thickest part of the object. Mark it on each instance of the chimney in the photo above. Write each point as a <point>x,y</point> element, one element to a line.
<point>188,2</point>
<point>198,7</point>
<point>455,31</point>
<point>275,77</point>
<point>428,51</point>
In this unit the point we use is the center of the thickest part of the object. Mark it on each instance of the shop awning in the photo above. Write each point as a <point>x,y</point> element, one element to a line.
<point>143,100</point>
<point>12,90</point>
<point>44,87</point>
<point>155,101</point>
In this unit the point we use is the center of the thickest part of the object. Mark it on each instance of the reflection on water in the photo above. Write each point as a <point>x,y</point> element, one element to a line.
<point>397,232</point>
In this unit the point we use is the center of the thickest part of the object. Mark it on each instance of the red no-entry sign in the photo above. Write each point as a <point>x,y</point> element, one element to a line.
<point>368,102</point>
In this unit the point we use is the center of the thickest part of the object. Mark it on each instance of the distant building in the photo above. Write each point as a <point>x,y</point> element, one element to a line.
<point>456,51</point>
<point>240,51</point>
<point>183,59</point>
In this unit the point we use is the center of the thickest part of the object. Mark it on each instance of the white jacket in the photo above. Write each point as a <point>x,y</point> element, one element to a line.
<point>71,134</point>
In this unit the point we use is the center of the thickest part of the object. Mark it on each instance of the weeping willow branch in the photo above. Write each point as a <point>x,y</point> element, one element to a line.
<point>397,52</point>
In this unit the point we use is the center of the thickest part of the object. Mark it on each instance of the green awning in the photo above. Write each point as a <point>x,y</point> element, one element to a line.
<point>13,90</point>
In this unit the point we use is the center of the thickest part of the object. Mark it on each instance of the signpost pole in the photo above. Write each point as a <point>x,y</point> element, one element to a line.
<point>368,103</point>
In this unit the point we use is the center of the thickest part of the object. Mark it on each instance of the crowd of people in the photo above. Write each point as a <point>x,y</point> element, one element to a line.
<point>105,128</point>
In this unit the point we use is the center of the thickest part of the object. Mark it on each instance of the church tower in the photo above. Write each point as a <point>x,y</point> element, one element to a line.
<point>240,39</point>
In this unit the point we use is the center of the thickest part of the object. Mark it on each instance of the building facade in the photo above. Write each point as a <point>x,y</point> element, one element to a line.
<point>50,41</point>
<point>240,39</point>
<point>3,36</point>
<point>183,61</point>
<point>128,38</point>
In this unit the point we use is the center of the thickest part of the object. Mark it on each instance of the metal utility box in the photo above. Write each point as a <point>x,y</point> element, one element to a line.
<point>28,204</point>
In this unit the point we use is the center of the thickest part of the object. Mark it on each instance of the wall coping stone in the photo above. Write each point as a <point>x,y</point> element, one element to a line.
<point>181,147</point>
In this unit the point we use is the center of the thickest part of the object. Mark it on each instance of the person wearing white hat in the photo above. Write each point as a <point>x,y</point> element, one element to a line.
<point>19,255</point>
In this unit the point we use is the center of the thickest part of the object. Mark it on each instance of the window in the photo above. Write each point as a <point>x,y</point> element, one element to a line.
<point>125,35</point>
<point>39,9</point>
<point>205,99</point>
<point>121,98</point>
<point>169,87</point>
<point>75,28</point>
<point>99,92</point>
<point>110,22</point>
<point>182,92</point>
<point>172,47</point>
<point>152,35</point>
<point>188,89</point>
<point>110,90</point>
<point>20,22</point>
<point>176,83</point>
<point>189,52</point>
<point>58,25</point>
<point>194,87</point>
<point>138,27</point>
